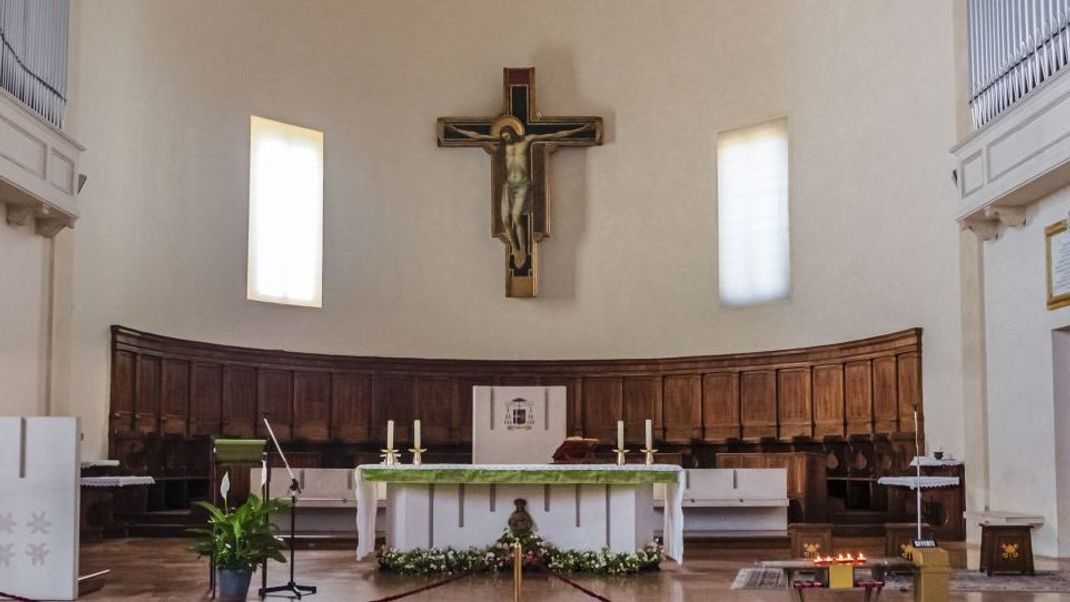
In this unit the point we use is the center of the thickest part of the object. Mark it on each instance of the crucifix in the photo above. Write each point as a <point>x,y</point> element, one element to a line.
<point>520,141</point>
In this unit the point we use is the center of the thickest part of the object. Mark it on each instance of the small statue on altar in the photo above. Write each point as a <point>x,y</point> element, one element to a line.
<point>520,522</point>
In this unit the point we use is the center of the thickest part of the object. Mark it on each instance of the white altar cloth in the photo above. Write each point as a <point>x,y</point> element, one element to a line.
<point>367,475</point>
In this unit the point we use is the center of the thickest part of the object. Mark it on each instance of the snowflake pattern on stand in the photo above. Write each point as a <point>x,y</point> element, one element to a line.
<point>39,524</point>
<point>7,554</point>
<point>7,523</point>
<point>37,553</point>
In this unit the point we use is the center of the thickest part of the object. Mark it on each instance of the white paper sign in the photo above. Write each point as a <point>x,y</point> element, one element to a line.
<point>517,425</point>
<point>1059,248</point>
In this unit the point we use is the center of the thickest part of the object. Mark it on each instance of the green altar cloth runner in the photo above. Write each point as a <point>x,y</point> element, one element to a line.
<point>540,475</point>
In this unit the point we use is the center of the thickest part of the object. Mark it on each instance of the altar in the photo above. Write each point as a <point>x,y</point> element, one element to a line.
<point>573,506</point>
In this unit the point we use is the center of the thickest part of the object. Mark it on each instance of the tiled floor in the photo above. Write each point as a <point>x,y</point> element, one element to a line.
<point>162,569</point>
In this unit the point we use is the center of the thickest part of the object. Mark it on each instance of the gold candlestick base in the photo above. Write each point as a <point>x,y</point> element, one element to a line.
<point>417,453</point>
<point>389,456</point>
<point>620,456</point>
<point>649,455</point>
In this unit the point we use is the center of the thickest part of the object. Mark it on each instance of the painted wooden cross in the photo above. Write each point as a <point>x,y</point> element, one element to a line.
<point>520,141</point>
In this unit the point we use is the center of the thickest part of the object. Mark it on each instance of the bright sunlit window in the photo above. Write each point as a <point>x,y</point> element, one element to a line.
<point>285,213</point>
<point>752,214</point>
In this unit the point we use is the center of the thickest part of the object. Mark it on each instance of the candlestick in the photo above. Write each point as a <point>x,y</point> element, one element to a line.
<point>390,434</point>
<point>416,433</point>
<point>389,456</point>
<point>620,434</point>
<point>417,455</point>
<point>620,455</point>
<point>649,455</point>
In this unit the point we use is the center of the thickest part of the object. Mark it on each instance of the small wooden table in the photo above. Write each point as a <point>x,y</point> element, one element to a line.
<point>878,567</point>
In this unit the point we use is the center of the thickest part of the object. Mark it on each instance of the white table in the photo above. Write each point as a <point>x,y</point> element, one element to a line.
<point>574,506</point>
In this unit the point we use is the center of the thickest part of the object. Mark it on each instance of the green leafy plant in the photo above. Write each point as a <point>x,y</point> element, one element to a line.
<point>537,553</point>
<point>241,538</point>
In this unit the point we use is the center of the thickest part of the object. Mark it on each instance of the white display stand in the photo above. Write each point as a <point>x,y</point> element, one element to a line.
<point>517,425</point>
<point>734,502</point>
<point>39,497</point>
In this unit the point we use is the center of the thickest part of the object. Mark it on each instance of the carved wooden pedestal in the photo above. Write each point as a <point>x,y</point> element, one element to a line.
<point>899,536</point>
<point>1007,549</point>
<point>809,540</point>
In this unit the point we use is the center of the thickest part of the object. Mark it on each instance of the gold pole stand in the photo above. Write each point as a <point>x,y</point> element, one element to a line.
<point>518,570</point>
<point>417,455</point>
<point>620,456</point>
<point>649,455</point>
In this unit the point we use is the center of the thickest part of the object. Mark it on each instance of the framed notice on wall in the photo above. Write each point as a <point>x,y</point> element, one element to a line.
<point>1057,252</point>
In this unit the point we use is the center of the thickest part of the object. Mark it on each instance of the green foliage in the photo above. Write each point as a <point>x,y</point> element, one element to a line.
<point>537,552</point>
<point>242,538</point>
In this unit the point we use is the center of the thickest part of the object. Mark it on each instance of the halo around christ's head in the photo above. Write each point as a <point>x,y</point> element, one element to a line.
<point>502,121</point>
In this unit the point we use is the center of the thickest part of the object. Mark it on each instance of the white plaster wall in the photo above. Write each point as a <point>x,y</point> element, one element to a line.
<point>410,268</point>
<point>1023,459</point>
<point>23,320</point>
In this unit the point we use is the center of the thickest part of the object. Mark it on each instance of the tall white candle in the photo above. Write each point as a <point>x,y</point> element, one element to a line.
<point>390,434</point>
<point>416,434</point>
<point>649,434</point>
<point>620,434</point>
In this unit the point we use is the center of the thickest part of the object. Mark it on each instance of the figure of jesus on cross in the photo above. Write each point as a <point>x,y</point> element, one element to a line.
<point>520,141</point>
<point>507,136</point>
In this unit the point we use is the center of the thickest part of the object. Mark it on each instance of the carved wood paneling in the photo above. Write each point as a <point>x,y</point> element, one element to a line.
<point>602,401</point>
<point>433,405</point>
<point>720,406</point>
<point>392,400</point>
<point>758,404</point>
<point>121,419</point>
<point>885,395</point>
<point>682,408</point>
<point>642,398</point>
<point>909,387</point>
<point>179,388</point>
<point>147,392</point>
<point>794,407</point>
<point>174,397</point>
<point>311,405</point>
<point>240,415</point>
<point>858,389</point>
<point>351,411</point>
<point>275,401</point>
<point>206,399</point>
<point>829,403</point>
<point>461,412</point>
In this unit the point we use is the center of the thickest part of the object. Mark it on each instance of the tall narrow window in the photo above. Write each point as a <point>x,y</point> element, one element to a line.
<point>285,213</point>
<point>752,214</point>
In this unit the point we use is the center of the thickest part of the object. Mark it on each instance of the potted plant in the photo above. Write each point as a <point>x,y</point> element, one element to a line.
<point>238,540</point>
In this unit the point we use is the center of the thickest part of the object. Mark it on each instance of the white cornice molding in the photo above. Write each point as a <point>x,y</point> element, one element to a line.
<point>1015,160</point>
<point>39,176</point>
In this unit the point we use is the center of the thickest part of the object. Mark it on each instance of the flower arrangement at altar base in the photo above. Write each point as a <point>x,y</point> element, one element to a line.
<point>537,553</point>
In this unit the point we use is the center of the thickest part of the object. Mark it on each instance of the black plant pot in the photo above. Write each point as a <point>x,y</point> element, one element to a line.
<point>233,584</point>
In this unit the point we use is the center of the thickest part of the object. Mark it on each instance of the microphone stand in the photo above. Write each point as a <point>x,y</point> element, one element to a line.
<point>295,489</point>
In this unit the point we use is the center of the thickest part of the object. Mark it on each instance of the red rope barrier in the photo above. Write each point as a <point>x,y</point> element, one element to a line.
<point>580,587</point>
<point>421,589</point>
